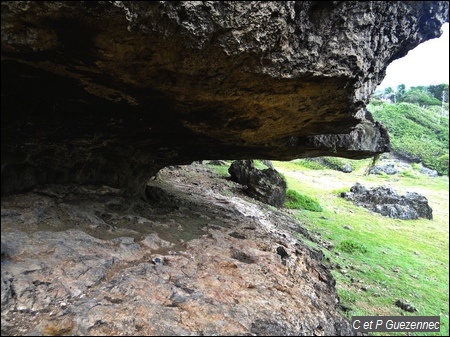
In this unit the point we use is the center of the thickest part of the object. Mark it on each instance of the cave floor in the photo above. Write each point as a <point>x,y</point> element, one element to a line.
<point>197,257</point>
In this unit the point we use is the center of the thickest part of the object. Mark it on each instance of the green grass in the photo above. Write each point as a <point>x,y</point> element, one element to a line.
<point>380,259</point>
<point>351,247</point>
<point>416,131</point>
<point>295,200</point>
<point>222,170</point>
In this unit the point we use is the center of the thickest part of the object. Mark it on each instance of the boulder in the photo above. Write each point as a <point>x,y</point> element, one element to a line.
<point>428,172</point>
<point>386,168</point>
<point>267,186</point>
<point>264,185</point>
<point>268,163</point>
<point>347,168</point>
<point>387,202</point>
<point>240,171</point>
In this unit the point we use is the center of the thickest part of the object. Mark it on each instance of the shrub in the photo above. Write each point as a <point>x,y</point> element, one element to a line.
<point>442,164</point>
<point>410,174</point>
<point>335,163</point>
<point>295,200</point>
<point>309,163</point>
<point>351,247</point>
<point>416,132</point>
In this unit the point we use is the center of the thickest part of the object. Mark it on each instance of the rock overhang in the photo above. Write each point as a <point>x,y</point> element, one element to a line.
<point>110,92</point>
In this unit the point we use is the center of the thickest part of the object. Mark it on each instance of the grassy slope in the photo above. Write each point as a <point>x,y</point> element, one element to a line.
<point>406,260</point>
<point>417,131</point>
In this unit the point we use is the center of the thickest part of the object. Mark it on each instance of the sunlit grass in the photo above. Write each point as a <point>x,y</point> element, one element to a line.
<point>295,200</point>
<point>380,259</point>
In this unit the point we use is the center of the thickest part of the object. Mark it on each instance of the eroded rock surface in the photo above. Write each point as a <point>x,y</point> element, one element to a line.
<point>110,92</point>
<point>386,201</point>
<point>266,185</point>
<point>201,260</point>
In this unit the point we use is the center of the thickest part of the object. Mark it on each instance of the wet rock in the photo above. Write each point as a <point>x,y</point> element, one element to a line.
<point>387,202</point>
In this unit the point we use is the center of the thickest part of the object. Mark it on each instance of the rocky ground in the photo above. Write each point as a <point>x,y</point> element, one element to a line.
<point>197,258</point>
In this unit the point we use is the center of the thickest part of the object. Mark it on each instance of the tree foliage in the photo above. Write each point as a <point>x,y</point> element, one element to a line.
<point>420,96</point>
<point>425,96</point>
<point>437,90</point>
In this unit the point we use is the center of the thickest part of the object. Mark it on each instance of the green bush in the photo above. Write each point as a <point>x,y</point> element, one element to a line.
<point>323,163</point>
<point>349,246</point>
<point>417,132</point>
<point>309,163</point>
<point>295,200</point>
<point>410,174</point>
<point>420,96</point>
<point>442,164</point>
<point>334,163</point>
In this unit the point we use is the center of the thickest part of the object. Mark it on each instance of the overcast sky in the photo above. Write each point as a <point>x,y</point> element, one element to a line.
<point>426,64</point>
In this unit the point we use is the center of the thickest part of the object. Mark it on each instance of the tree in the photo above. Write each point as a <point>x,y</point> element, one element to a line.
<point>419,95</point>
<point>438,90</point>
<point>389,94</point>
<point>401,91</point>
<point>388,90</point>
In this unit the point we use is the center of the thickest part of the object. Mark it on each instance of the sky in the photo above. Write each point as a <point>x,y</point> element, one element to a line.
<point>426,64</point>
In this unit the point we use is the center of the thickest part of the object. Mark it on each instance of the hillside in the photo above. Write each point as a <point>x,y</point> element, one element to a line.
<point>417,125</point>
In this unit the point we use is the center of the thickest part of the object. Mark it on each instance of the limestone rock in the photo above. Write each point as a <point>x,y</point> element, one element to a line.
<point>265,185</point>
<point>240,171</point>
<point>387,202</point>
<point>215,265</point>
<point>386,168</point>
<point>109,92</point>
<point>346,168</point>
<point>428,172</point>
